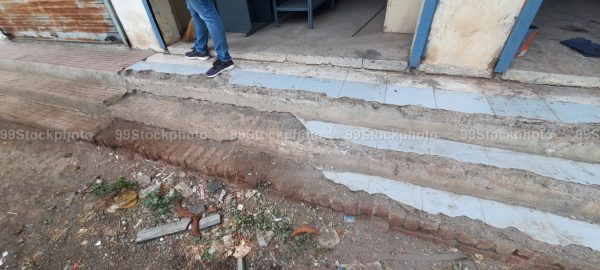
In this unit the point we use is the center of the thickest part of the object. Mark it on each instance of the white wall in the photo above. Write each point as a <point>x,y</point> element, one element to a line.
<point>401,16</point>
<point>467,36</point>
<point>136,24</point>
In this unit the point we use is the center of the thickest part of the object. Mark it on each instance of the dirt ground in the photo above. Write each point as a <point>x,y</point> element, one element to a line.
<point>49,219</point>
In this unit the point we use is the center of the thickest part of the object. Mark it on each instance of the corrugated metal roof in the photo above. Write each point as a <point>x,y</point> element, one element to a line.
<point>70,20</point>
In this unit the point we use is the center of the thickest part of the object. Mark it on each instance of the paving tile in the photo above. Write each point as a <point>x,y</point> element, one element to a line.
<point>280,81</point>
<point>451,204</point>
<point>461,152</point>
<point>406,95</point>
<point>521,107</point>
<point>531,222</point>
<point>576,232</point>
<point>364,91</point>
<point>400,191</point>
<point>403,142</point>
<point>169,68</point>
<point>247,78</point>
<point>557,168</point>
<point>330,87</point>
<point>462,102</point>
<point>575,113</point>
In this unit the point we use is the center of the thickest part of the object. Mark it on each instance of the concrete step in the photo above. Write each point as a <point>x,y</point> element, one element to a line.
<point>77,95</point>
<point>70,60</point>
<point>61,123</point>
<point>543,240</point>
<point>564,187</point>
<point>540,120</point>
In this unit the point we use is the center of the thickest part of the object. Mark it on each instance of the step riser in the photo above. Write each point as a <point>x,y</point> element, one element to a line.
<point>63,72</point>
<point>564,140</point>
<point>284,134</point>
<point>299,181</point>
<point>40,97</point>
<point>69,124</point>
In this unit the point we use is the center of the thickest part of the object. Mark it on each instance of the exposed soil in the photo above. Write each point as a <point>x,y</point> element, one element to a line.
<point>49,220</point>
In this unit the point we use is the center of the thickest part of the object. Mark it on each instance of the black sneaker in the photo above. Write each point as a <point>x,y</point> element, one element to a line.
<point>218,68</point>
<point>195,55</point>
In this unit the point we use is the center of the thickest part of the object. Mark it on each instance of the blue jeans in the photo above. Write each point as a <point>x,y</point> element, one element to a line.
<point>207,20</point>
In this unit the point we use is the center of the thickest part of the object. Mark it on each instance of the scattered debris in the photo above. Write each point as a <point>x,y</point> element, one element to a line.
<point>214,186</point>
<point>228,241</point>
<point>125,200</point>
<point>264,237</point>
<point>328,236</point>
<point>303,230</point>
<point>359,266</point>
<point>250,193</point>
<point>193,214</point>
<point>69,199</point>
<point>185,190</point>
<point>221,196</point>
<point>154,187</point>
<point>76,265</point>
<point>240,252</point>
<point>349,219</point>
<point>99,243</point>
<point>143,178</point>
<point>4,254</point>
<point>240,207</point>
<point>175,227</point>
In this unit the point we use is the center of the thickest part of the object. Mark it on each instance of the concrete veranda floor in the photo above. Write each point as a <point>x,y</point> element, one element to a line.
<point>547,59</point>
<point>330,42</point>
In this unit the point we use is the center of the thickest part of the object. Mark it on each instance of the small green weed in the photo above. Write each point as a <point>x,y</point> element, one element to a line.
<point>107,190</point>
<point>161,205</point>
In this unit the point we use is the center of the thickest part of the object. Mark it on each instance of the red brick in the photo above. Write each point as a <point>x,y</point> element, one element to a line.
<point>323,200</point>
<point>397,217</point>
<point>447,233</point>
<point>545,260</point>
<point>430,226</point>
<point>515,261</point>
<point>468,239</point>
<point>412,223</point>
<point>486,245</point>
<point>365,205</point>
<point>336,204</point>
<point>351,207</point>
<point>525,253</point>
<point>505,248</point>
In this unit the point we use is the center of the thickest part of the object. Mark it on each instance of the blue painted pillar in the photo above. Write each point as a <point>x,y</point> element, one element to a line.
<point>423,27</point>
<point>516,37</point>
<point>154,24</point>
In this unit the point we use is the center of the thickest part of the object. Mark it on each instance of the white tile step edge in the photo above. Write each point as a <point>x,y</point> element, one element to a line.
<point>541,226</point>
<point>556,168</point>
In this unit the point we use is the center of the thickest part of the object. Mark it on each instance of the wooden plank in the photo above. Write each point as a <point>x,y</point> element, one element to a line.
<point>175,227</point>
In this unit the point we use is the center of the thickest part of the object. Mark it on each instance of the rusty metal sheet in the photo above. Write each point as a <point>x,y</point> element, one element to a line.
<point>65,20</point>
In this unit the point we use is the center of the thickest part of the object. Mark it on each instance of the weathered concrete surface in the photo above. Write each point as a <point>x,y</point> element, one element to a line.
<point>298,180</point>
<point>85,97</point>
<point>548,61</point>
<point>329,43</point>
<point>282,133</point>
<point>458,46</point>
<point>564,139</point>
<point>402,16</point>
<point>68,124</point>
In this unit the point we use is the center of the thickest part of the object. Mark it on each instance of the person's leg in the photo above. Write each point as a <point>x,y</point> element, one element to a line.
<point>201,42</point>
<point>208,13</point>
